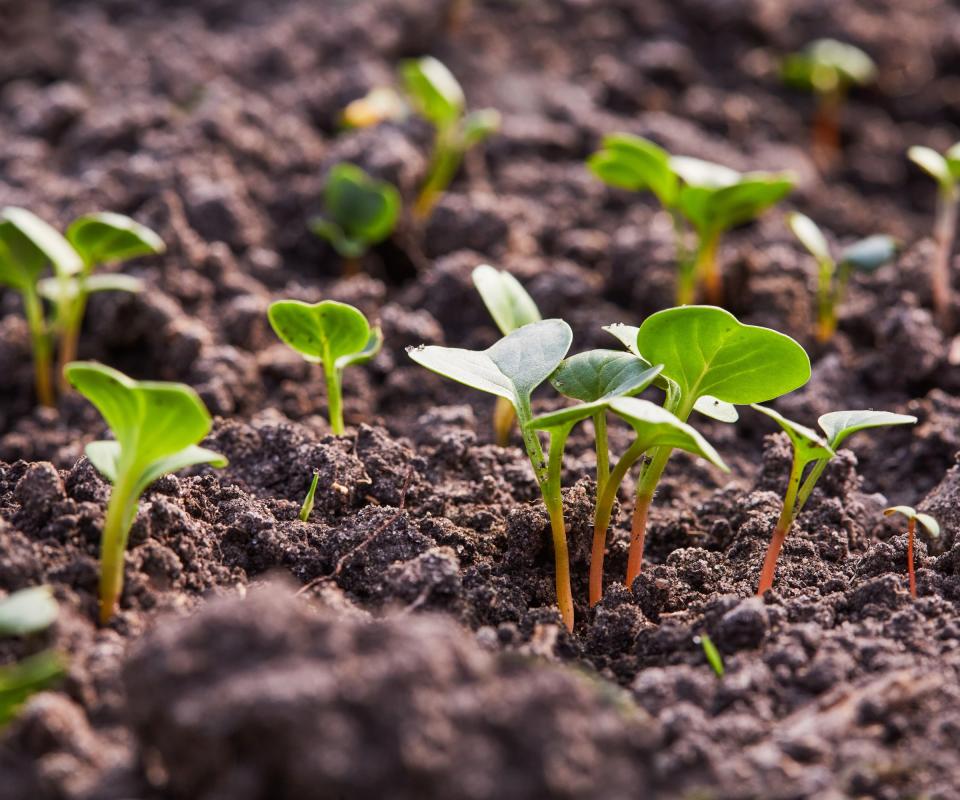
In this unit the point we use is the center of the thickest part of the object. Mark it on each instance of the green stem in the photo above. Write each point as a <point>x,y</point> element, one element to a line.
<point>944,231</point>
<point>787,515</point>
<point>553,500</point>
<point>447,155</point>
<point>334,396</point>
<point>113,545</point>
<point>708,268</point>
<point>806,489</point>
<point>71,322</point>
<point>826,300</point>
<point>33,310</point>
<point>602,448</point>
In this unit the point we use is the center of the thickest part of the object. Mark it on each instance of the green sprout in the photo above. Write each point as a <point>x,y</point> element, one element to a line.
<point>360,212</point>
<point>810,449</point>
<point>307,508</point>
<point>710,362</point>
<point>708,198</point>
<point>711,653</point>
<point>512,368</point>
<point>510,307</point>
<point>945,170</point>
<point>156,428</point>
<point>913,517</point>
<point>829,69</point>
<point>335,335</point>
<point>439,98</point>
<point>22,613</point>
<point>866,255</point>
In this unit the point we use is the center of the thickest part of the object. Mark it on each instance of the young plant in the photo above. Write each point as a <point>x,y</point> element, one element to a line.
<point>913,517</point>
<point>867,255</point>
<point>307,508</point>
<point>945,170</point>
<point>708,356</point>
<point>360,212</point>
<point>511,308</point>
<point>829,69</point>
<point>156,427</point>
<point>335,335</point>
<point>439,98</point>
<point>706,197</point>
<point>512,368</point>
<point>711,653</point>
<point>811,449</point>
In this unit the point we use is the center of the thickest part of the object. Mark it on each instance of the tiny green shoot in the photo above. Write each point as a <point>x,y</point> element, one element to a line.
<point>913,517</point>
<point>333,334</point>
<point>510,307</point>
<point>711,653</point>
<point>945,170</point>
<point>816,451</point>
<point>307,508</point>
<point>866,255</point>
<point>438,97</point>
<point>156,428</point>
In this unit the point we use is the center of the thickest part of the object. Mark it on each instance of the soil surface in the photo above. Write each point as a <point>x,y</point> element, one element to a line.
<point>403,643</point>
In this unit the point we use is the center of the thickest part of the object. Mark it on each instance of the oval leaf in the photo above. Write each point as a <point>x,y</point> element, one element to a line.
<point>928,522</point>
<point>808,445</point>
<point>434,91</point>
<point>602,374</point>
<point>106,237</point>
<point>27,611</point>
<point>838,425</point>
<point>362,207</point>
<point>321,332</point>
<point>931,162</point>
<point>505,298</point>
<point>871,253</point>
<point>634,163</point>
<point>810,236</point>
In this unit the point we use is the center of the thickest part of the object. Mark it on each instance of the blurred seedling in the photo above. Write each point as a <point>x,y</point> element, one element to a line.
<point>333,334</point>
<point>23,613</point>
<point>510,307</point>
<point>708,198</point>
<point>512,368</point>
<point>307,508</point>
<point>438,97</point>
<point>359,212</point>
<point>156,428</point>
<point>829,69</point>
<point>913,517</point>
<point>812,450</point>
<point>866,255</point>
<point>381,104</point>
<point>945,170</point>
<point>711,653</point>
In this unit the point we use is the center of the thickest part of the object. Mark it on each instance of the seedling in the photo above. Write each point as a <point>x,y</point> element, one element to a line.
<point>945,170</point>
<point>21,614</point>
<point>307,508</point>
<point>913,517</point>
<point>439,98</point>
<point>707,197</point>
<point>511,308</point>
<point>711,653</point>
<point>813,450</point>
<point>359,213</point>
<point>867,255</point>
<point>333,334</point>
<point>156,427</point>
<point>707,353</point>
<point>512,368</point>
<point>829,69</point>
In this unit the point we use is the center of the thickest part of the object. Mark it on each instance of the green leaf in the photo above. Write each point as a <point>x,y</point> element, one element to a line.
<point>808,445</point>
<point>105,457</point>
<point>189,456</point>
<point>810,236</point>
<point>871,253</point>
<point>695,172</point>
<point>952,157</point>
<point>479,125</point>
<point>322,332</point>
<point>512,368</point>
<point>505,298</point>
<point>634,163</point>
<point>20,680</point>
<point>827,65</point>
<point>707,351</point>
<point>370,349</point>
<point>657,427</point>
<point>931,162</point>
<point>928,522</point>
<point>716,409</point>
<point>838,425</point>
<point>27,611</point>
<point>602,374</point>
<point>58,290</point>
<point>32,242</point>
<point>107,237</point>
<point>726,206</point>
<point>362,211</point>
<point>435,93</point>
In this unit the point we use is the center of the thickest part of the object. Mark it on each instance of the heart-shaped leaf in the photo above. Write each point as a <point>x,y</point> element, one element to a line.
<point>928,522</point>
<point>370,349</point>
<point>434,91</point>
<point>810,236</point>
<point>106,237</point>
<point>838,425</point>
<point>722,207</point>
<point>808,445</point>
<point>505,298</point>
<point>361,211</point>
<point>871,253</point>
<point>27,611</point>
<point>321,332</point>
<point>633,163</point>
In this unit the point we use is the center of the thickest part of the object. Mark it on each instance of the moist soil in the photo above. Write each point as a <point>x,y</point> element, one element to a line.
<point>403,643</point>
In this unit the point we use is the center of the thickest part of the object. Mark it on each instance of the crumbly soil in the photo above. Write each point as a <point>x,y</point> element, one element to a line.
<point>403,643</point>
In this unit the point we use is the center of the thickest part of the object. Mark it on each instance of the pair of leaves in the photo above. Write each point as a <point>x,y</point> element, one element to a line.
<point>944,169</point>
<point>361,211</point>
<point>827,65</point>
<point>505,298</point>
<point>928,522</point>
<point>865,255</point>
<point>327,332</point>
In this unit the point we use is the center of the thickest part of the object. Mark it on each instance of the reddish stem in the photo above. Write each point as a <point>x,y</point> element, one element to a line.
<point>770,562</point>
<point>911,528</point>
<point>638,532</point>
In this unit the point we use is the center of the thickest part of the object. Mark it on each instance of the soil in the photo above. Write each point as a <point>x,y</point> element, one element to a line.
<point>403,643</point>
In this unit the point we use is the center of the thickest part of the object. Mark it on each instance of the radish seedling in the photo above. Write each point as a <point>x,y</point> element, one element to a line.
<point>811,449</point>
<point>913,517</point>
<point>156,427</point>
<point>439,98</point>
<point>866,255</point>
<point>307,508</point>
<point>711,653</point>
<point>512,368</point>
<point>945,170</point>
<point>829,69</point>
<point>707,353</point>
<point>359,213</point>
<point>511,308</point>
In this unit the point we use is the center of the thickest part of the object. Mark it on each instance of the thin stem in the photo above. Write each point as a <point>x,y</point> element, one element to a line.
<point>943,233</point>
<point>649,479</point>
<point>503,418</point>
<point>334,396</point>
<point>33,310</point>
<point>686,281</point>
<point>911,530</point>
<point>787,515</point>
<point>553,500</point>
<point>806,489</point>
<point>708,267</point>
<point>826,301</point>
<point>447,155</point>
<point>113,545</point>
<point>826,128</point>
<point>71,323</point>
<point>602,448</point>
<point>351,266</point>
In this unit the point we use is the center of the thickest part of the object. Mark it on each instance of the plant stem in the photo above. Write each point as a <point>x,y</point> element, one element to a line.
<point>708,268</point>
<point>649,479</point>
<point>33,310</point>
<point>503,418</point>
<point>944,231</point>
<point>334,396</point>
<point>351,266</point>
<point>787,515</point>
<point>602,447</point>
<point>826,301</point>
<point>72,320</point>
<point>113,545</point>
<point>553,500</point>
<point>911,530</point>
<point>826,128</point>
<point>444,163</point>
<point>686,281</point>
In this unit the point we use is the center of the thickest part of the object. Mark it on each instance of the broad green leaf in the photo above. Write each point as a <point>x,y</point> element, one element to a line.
<point>928,522</point>
<point>112,393</point>
<point>716,409</point>
<point>58,290</point>
<point>634,163</point>
<point>370,349</point>
<point>810,236</point>
<point>20,680</point>
<point>512,368</point>
<point>931,162</point>
<point>27,611</point>
<point>434,91</point>
<point>808,445</point>
<point>479,125</point>
<point>736,204</point>
<point>838,425</point>
<point>871,253</point>
<point>106,237</point>
<point>695,172</point>
<point>31,240</point>
<point>505,298</point>
<point>105,456</point>
<point>322,332</point>
<point>707,351</point>
<point>657,427</point>
<point>602,374</point>
<point>365,209</point>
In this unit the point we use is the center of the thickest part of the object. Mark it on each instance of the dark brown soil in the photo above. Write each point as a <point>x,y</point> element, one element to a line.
<point>403,643</point>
